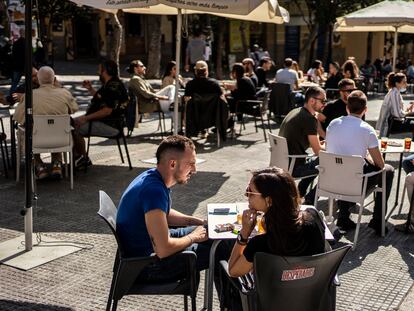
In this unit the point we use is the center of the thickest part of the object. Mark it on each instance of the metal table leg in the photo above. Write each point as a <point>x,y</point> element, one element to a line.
<point>208,290</point>
<point>398,180</point>
<point>13,143</point>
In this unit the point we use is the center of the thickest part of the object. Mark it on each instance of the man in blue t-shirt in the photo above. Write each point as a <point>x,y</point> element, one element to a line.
<point>145,213</point>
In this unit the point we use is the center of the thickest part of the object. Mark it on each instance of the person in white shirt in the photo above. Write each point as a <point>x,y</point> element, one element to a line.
<point>350,135</point>
<point>287,75</point>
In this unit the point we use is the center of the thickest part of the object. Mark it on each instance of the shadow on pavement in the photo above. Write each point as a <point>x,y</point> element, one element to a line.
<point>22,306</point>
<point>59,209</point>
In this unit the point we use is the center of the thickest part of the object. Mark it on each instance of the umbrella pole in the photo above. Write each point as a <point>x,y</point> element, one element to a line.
<point>394,50</point>
<point>177,61</point>
<point>27,211</point>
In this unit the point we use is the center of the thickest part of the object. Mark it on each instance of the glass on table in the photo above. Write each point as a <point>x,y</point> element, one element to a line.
<point>384,143</point>
<point>407,143</point>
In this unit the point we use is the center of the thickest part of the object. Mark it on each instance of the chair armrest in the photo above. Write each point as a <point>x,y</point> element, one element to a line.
<point>240,283</point>
<point>373,173</point>
<point>298,156</point>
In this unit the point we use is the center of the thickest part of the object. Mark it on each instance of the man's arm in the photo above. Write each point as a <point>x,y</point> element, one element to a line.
<point>375,157</point>
<point>163,244</point>
<point>176,218</point>
<point>315,144</point>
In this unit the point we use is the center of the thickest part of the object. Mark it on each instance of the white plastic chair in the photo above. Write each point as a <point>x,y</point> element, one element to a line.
<point>51,134</point>
<point>342,178</point>
<point>279,155</point>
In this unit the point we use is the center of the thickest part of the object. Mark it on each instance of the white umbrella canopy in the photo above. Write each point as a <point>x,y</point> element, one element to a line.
<point>260,10</point>
<point>238,7</point>
<point>397,16</point>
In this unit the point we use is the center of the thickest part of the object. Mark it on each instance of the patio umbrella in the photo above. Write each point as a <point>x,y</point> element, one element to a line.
<point>397,16</point>
<point>269,11</point>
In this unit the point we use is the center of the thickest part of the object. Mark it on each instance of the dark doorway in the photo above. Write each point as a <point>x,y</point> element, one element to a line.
<point>85,37</point>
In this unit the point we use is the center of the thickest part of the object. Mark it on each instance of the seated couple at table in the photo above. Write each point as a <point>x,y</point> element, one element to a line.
<point>145,214</point>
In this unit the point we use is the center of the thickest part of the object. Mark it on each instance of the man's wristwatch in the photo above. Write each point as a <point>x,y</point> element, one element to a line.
<point>240,240</point>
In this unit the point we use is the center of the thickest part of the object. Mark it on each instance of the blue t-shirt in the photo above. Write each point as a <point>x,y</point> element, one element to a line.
<point>145,193</point>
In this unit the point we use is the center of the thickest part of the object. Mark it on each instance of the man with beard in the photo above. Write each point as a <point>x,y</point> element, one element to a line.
<point>337,108</point>
<point>145,214</point>
<point>300,128</point>
<point>107,105</point>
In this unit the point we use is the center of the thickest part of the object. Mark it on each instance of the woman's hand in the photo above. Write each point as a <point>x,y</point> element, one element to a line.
<point>248,222</point>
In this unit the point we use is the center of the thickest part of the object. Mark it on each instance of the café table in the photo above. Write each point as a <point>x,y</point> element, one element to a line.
<point>215,217</point>
<point>396,146</point>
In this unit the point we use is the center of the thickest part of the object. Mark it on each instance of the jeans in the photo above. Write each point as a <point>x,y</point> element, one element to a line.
<point>171,268</point>
<point>372,181</point>
<point>15,79</point>
<point>407,164</point>
<point>308,168</point>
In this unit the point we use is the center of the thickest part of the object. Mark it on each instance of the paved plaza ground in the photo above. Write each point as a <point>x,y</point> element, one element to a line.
<point>378,275</point>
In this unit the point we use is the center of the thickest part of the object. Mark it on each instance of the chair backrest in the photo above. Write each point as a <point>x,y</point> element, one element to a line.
<point>202,112</point>
<point>279,153</point>
<point>51,131</point>
<point>280,102</point>
<point>335,171</point>
<point>297,283</point>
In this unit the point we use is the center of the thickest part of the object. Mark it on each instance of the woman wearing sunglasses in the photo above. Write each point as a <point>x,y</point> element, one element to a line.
<point>289,231</point>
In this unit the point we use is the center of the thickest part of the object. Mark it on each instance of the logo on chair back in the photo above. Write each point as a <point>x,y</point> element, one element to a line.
<point>50,121</point>
<point>338,160</point>
<point>297,274</point>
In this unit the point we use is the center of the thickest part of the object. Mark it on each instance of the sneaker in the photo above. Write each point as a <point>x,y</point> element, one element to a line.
<point>345,224</point>
<point>373,224</point>
<point>57,170</point>
<point>41,172</point>
<point>82,161</point>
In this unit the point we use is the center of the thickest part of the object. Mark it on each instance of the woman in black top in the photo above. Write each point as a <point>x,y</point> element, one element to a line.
<point>289,231</point>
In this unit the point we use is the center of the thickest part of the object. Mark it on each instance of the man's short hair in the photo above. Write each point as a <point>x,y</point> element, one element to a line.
<point>288,62</point>
<point>110,67</point>
<point>313,91</point>
<point>357,101</point>
<point>345,82</point>
<point>175,143</point>
<point>264,60</point>
<point>46,75</point>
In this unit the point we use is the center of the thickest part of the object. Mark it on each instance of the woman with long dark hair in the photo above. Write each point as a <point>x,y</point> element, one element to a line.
<point>169,76</point>
<point>288,230</point>
<point>394,107</point>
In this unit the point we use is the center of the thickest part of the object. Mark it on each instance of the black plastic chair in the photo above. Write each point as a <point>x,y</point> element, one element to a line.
<point>256,109</point>
<point>281,100</point>
<point>204,111</point>
<point>291,283</point>
<point>119,124</point>
<point>127,269</point>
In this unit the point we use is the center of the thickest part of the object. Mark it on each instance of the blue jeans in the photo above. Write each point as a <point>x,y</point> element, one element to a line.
<point>407,165</point>
<point>171,268</point>
<point>308,168</point>
<point>15,79</point>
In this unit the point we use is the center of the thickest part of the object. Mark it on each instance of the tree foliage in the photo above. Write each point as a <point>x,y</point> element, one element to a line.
<point>321,15</point>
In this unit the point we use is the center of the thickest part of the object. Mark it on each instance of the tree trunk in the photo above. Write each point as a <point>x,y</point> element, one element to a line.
<point>115,45</point>
<point>309,45</point>
<point>220,48</point>
<point>244,39</point>
<point>154,48</point>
